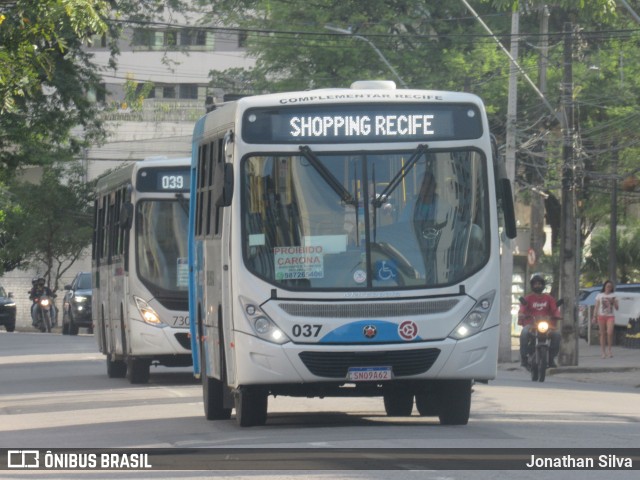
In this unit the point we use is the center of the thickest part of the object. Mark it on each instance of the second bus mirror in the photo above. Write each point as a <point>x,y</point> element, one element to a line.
<point>126,215</point>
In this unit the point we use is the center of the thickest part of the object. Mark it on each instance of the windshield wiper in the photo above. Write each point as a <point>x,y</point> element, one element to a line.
<point>403,172</point>
<point>326,175</point>
<point>184,203</point>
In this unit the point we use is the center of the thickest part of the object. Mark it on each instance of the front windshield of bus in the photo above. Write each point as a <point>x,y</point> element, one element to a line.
<point>373,220</point>
<point>161,246</point>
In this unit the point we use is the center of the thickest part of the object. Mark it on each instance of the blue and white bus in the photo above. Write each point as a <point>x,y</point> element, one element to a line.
<point>140,269</point>
<point>345,242</point>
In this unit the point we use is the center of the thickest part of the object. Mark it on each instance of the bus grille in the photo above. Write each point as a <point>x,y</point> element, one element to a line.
<point>364,310</point>
<point>336,364</point>
<point>184,340</point>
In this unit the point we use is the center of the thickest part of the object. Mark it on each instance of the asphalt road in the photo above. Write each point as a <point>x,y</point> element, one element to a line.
<point>55,394</point>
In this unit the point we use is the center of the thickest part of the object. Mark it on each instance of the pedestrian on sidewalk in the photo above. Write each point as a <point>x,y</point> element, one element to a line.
<point>606,302</point>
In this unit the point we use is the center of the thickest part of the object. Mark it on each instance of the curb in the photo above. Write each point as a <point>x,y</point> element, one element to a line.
<point>591,369</point>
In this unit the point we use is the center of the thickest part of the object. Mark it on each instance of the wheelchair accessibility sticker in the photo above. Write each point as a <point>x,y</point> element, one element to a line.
<point>386,270</point>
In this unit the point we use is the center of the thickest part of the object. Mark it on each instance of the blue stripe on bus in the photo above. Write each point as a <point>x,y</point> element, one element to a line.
<point>355,333</point>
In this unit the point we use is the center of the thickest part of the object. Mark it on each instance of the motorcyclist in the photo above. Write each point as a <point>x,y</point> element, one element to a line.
<point>39,289</point>
<point>538,304</point>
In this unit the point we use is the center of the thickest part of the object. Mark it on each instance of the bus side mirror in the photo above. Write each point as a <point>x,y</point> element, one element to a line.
<point>224,184</point>
<point>508,210</point>
<point>126,215</point>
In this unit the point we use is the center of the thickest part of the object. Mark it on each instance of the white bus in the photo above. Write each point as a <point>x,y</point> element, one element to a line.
<point>140,269</point>
<point>345,242</point>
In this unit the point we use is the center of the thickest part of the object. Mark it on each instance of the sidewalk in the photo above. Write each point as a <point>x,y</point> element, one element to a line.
<point>622,369</point>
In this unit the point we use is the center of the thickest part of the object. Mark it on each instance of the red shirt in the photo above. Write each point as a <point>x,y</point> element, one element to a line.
<point>538,305</point>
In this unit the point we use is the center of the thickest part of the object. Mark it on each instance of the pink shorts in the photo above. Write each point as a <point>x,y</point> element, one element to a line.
<point>604,320</point>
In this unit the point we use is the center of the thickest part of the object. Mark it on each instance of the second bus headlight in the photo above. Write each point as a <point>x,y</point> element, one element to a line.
<point>262,325</point>
<point>474,320</point>
<point>148,314</point>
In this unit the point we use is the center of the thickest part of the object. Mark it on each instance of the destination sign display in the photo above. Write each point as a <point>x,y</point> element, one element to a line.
<point>361,123</point>
<point>170,179</point>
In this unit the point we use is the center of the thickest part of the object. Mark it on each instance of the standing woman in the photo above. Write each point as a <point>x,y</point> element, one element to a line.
<point>606,301</point>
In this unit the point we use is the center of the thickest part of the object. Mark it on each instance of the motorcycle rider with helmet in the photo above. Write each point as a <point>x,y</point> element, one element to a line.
<point>538,304</point>
<point>38,290</point>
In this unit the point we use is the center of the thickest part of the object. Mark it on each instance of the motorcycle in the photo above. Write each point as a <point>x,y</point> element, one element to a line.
<point>538,346</point>
<point>45,316</point>
<point>538,343</point>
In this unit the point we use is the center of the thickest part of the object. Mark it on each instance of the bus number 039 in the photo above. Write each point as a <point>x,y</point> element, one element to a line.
<point>306,330</point>
<point>172,182</point>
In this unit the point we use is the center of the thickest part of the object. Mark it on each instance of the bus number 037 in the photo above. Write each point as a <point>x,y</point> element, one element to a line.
<point>306,330</point>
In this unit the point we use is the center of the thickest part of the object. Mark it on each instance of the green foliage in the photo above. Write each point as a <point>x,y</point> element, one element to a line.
<point>595,268</point>
<point>48,225</point>
<point>44,77</point>
<point>135,93</point>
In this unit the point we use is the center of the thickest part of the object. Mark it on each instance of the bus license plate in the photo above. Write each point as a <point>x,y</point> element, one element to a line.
<point>368,374</point>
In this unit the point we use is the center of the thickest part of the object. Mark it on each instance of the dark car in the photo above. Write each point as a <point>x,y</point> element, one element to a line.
<point>7,310</point>
<point>76,305</point>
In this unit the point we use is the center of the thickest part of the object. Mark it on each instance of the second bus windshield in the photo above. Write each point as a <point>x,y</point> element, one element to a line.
<point>389,220</point>
<point>162,246</point>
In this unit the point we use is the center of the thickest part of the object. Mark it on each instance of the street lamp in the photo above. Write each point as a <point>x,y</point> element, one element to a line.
<point>344,31</point>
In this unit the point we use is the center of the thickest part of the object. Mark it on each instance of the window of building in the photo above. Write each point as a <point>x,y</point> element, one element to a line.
<point>169,92</point>
<point>143,38</point>
<point>190,36</point>
<point>242,39</point>
<point>189,90</point>
<point>171,38</point>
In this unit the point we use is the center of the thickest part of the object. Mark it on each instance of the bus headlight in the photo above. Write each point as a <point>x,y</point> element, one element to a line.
<point>148,314</point>
<point>262,325</point>
<point>474,320</point>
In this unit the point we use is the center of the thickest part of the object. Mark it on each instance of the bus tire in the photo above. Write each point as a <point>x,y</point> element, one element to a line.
<point>454,402</point>
<point>212,392</point>
<point>115,368</point>
<point>397,402</point>
<point>251,406</point>
<point>543,354</point>
<point>427,404</point>
<point>138,370</point>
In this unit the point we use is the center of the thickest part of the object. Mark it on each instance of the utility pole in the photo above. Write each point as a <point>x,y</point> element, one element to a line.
<point>537,199</point>
<point>506,258</point>
<point>568,252</point>
<point>613,225</point>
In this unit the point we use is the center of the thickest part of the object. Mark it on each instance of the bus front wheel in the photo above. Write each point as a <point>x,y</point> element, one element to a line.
<point>212,393</point>
<point>138,370</point>
<point>251,406</point>
<point>398,402</point>
<point>115,368</point>
<point>454,402</point>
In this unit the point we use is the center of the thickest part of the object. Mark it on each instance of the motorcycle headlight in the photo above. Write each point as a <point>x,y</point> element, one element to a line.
<point>474,320</point>
<point>44,302</point>
<point>543,326</point>
<point>148,314</point>
<point>262,325</point>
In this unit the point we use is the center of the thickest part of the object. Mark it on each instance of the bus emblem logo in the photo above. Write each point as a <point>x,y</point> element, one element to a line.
<point>370,331</point>
<point>408,330</point>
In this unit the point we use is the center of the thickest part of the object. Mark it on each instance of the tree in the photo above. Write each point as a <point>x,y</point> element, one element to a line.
<point>51,222</point>
<point>596,263</point>
<point>44,78</point>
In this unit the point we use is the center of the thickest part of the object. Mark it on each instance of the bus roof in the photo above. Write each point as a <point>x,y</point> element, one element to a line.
<point>126,173</point>
<point>360,92</point>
